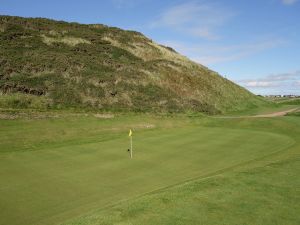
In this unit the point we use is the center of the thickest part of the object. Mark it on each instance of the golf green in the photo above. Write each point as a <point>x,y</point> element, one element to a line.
<point>55,183</point>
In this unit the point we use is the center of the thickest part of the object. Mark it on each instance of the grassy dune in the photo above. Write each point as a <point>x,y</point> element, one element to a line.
<point>95,67</point>
<point>57,169</point>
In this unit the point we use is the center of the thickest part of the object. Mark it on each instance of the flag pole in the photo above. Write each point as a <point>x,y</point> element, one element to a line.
<point>131,147</point>
<point>130,136</point>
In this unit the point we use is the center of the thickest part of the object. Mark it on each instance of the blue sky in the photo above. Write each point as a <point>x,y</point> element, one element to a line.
<point>254,43</point>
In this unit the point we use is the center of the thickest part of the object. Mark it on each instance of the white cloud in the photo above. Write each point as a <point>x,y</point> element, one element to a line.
<point>292,76</point>
<point>260,84</point>
<point>289,76</point>
<point>289,2</point>
<point>213,54</point>
<point>195,18</point>
<point>297,83</point>
<point>286,81</point>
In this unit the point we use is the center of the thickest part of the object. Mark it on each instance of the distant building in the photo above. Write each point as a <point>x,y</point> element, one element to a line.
<point>282,96</point>
<point>291,96</point>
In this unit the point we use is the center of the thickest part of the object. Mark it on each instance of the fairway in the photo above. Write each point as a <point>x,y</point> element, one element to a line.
<point>51,182</point>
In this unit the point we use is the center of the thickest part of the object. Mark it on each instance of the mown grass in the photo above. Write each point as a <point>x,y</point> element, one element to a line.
<point>264,195</point>
<point>263,191</point>
<point>297,113</point>
<point>56,169</point>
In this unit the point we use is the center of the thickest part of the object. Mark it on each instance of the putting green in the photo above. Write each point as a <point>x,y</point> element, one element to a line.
<point>59,183</point>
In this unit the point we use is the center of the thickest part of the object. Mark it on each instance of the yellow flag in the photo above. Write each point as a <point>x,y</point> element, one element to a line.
<point>130,133</point>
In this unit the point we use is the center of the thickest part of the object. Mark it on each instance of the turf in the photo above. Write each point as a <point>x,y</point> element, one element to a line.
<point>55,169</point>
<point>262,191</point>
<point>265,195</point>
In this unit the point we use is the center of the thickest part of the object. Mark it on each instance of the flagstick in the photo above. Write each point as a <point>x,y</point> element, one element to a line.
<point>131,147</point>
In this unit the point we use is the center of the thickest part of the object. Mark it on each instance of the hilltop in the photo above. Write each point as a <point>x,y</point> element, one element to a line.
<point>55,64</point>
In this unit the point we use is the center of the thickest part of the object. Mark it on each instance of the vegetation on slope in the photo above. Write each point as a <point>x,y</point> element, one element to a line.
<point>54,64</point>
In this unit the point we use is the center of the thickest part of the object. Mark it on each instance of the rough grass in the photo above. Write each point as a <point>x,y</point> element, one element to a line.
<point>140,49</point>
<point>21,101</point>
<point>71,41</point>
<point>149,51</point>
<point>103,68</point>
<point>295,101</point>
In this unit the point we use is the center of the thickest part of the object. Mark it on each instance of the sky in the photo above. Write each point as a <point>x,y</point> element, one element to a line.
<point>253,43</point>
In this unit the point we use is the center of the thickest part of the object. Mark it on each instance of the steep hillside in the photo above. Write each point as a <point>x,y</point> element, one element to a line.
<point>54,64</point>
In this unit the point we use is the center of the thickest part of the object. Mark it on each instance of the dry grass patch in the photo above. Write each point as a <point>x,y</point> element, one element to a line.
<point>139,49</point>
<point>71,41</point>
<point>2,28</point>
<point>149,50</point>
<point>104,116</point>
